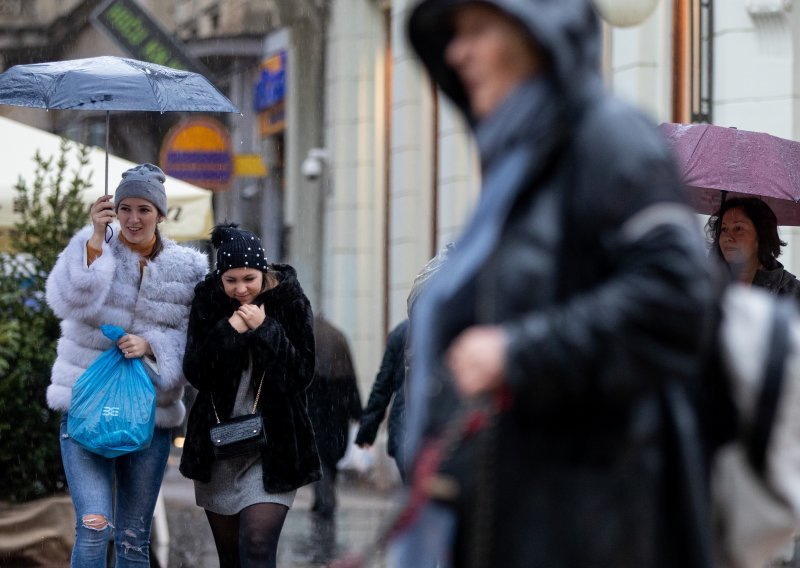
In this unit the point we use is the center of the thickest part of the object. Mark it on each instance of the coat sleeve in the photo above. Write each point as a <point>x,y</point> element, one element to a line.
<point>643,322</point>
<point>353,398</point>
<point>168,341</point>
<point>350,397</point>
<point>211,345</point>
<point>75,291</point>
<point>384,387</point>
<point>285,349</point>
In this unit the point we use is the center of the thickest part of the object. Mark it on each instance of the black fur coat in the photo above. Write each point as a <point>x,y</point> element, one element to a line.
<point>283,347</point>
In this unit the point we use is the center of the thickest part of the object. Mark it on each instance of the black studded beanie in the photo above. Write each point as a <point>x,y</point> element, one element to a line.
<point>146,182</point>
<point>237,248</point>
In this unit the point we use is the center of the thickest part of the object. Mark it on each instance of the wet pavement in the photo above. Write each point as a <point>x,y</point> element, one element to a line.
<point>306,542</point>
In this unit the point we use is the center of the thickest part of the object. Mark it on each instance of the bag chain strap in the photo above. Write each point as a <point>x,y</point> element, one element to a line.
<point>255,403</point>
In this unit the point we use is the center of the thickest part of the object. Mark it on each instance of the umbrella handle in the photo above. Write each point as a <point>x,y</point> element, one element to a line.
<point>108,114</point>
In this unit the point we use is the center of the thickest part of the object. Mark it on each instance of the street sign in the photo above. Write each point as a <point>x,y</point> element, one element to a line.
<point>198,150</point>
<point>271,86</point>
<point>270,94</point>
<point>141,35</point>
<point>249,165</point>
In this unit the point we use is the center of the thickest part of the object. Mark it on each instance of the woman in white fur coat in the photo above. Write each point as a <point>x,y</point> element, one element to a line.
<point>143,283</point>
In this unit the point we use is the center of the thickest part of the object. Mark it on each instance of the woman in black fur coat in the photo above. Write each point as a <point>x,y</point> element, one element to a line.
<point>250,342</point>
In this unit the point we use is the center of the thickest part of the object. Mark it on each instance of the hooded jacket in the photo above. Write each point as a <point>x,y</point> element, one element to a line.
<point>153,304</point>
<point>282,350</point>
<point>583,249</point>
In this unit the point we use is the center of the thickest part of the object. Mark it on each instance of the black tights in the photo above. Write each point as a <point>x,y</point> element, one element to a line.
<point>249,539</point>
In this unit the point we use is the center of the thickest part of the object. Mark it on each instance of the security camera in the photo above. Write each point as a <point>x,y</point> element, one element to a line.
<point>314,163</point>
<point>311,168</point>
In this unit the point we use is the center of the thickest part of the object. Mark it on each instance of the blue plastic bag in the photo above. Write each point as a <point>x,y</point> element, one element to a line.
<point>113,409</point>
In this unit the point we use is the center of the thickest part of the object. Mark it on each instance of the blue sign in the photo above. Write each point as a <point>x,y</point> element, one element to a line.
<point>271,86</point>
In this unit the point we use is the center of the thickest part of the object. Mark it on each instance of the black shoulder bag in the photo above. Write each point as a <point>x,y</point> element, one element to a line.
<point>240,435</point>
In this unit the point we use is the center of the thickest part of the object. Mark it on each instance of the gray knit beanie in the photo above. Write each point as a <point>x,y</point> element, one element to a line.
<point>146,182</point>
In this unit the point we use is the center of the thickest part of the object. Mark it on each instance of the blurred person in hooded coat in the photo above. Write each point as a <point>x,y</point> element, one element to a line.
<point>333,402</point>
<point>573,308</point>
<point>389,386</point>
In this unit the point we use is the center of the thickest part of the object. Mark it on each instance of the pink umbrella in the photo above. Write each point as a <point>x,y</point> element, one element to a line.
<point>719,163</point>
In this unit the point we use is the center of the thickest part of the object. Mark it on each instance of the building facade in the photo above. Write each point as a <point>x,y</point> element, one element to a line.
<point>403,174</point>
<point>396,173</point>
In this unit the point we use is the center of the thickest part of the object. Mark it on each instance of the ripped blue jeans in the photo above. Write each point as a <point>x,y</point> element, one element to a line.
<point>124,489</point>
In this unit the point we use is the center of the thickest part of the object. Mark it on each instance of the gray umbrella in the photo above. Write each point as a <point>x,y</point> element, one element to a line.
<point>110,83</point>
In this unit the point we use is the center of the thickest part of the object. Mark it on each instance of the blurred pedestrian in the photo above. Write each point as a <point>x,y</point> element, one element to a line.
<point>569,321</point>
<point>122,271</point>
<point>388,388</point>
<point>250,348</point>
<point>333,403</point>
<point>744,234</point>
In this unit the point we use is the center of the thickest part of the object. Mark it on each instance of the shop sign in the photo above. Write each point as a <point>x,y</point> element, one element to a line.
<point>270,95</point>
<point>198,151</point>
<point>141,35</point>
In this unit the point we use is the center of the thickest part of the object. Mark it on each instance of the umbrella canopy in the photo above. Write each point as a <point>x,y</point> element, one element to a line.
<point>720,163</point>
<point>189,217</point>
<point>110,83</point>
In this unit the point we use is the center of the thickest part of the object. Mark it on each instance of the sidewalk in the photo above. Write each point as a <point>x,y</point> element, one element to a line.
<point>305,542</point>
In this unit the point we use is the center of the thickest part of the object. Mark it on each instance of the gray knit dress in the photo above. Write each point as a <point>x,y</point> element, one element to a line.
<point>237,482</point>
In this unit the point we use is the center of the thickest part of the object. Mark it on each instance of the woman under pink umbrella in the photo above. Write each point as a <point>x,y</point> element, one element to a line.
<point>744,233</point>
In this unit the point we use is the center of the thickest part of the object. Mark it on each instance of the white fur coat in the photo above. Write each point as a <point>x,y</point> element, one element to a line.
<point>154,306</point>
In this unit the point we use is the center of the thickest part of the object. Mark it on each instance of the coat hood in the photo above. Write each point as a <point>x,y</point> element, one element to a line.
<point>568,31</point>
<point>430,268</point>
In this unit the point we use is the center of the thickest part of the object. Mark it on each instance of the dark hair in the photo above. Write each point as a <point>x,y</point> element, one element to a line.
<point>268,280</point>
<point>763,219</point>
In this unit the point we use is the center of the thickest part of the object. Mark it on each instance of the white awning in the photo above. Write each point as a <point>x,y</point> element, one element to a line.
<point>190,215</point>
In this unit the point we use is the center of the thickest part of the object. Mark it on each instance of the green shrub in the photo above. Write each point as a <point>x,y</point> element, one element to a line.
<point>50,211</point>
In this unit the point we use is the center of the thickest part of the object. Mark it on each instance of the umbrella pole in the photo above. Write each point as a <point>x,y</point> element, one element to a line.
<point>108,225</point>
<point>107,129</point>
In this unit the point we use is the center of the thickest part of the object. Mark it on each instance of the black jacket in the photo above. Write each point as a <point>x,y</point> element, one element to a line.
<point>778,280</point>
<point>583,248</point>
<point>333,397</point>
<point>388,385</point>
<point>282,349</point>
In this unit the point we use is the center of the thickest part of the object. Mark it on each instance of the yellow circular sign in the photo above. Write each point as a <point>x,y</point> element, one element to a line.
<point>198,151</point>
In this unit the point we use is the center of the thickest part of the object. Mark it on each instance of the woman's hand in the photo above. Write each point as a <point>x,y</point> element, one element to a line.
<point>477,359</point>
<point>252,315</point>
<point>102,213</point>
<point>237,322</point>
<point>134,347</point>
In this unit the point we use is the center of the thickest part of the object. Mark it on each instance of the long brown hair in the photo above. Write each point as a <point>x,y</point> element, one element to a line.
<point>158,246</point>
<point>270,281</point>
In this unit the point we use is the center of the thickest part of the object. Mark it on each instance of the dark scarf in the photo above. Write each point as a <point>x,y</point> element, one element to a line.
<point>516,144</point>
